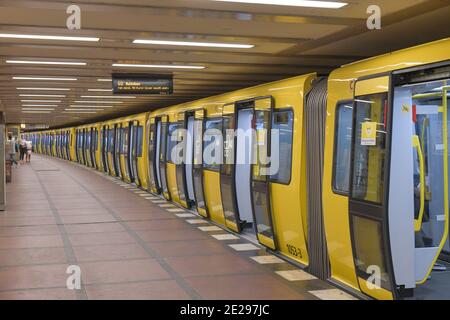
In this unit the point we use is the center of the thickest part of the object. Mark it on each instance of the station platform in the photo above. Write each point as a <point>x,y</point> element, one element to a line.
<point>128,245</point>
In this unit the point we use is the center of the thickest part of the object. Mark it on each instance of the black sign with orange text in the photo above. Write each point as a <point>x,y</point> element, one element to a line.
<point>142,84</point>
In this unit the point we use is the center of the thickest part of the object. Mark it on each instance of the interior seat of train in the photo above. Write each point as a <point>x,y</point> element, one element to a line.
<point>338,173</point>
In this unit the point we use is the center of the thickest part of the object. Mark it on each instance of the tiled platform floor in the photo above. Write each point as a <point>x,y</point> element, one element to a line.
<point>61,214</point>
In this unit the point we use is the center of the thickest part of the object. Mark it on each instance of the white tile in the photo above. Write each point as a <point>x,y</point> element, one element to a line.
<point>142,194</point>
<point>332,294</point>
<point>197,221</point>
<point>185,215</point>
<point>151,198</point>
<point>223,237</point>
<point>210,228</point>
<point>174,210</point>
<point>244,247</point>
<point>295,275</point>
<point>269,259</point>
<point>159,201</point>
<point>167,205</point>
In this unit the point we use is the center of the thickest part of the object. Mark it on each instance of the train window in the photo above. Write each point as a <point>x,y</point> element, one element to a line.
<point>172,141</point>
<point>342,147</point>
<point>140,138</point>
<point>369,148</point>
<point>212,144</point>
<point>283,121</point>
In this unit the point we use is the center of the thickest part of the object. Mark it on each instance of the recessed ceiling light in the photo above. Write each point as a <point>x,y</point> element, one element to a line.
<point>35,111</point>
<point>45,89</point>
<point>83,106</point>
<point>38,109</point>
<point>42,101</point>
<point>79,112</point>
<point>293,3</point>
<point>46,37</point>
<point>100,90</point>
<point>106,102</point>
<point>104,80</point>
<point>156,66</point>
<point>43,95</point>
<point>109,97</point>
<point>45,78</point>
<point>47,62</point>
<point>194,44</point>
<point>83,109</point>
<point>39,105</point>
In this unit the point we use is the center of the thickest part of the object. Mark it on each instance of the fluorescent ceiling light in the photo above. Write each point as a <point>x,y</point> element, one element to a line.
<point>109,97</point>
<point>45,89</point>
<point>39,105</point>
<point>42,101</point>
<point>194,44</point>
<point>38,109</point>
<point>46,37</point>
<point>43,95</point>
<point>83,109</point>
<point>106,102</point>
<point>293,3</point>
<point>79,112</point>
<point>157,66</point>
<point>100,90</point>
<point>104,80</point>
<point>47,62</point>
<point>81,106</point>
<point>35,111</point>
<point>45,78</point>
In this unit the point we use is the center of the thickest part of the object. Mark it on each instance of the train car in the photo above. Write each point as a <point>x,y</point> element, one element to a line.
<point>236,194</point>
<point>385,185</point>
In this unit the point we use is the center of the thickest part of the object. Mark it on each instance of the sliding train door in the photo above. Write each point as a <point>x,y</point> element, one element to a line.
<point>136,131</point>
<point>104,148</point>
<point>183,166</point>
<point>117,148</point>
<point>198,181</point>
<point>94,147</point>
<point>228,169</point>
<point>162,146</point>
<point>152,151</point>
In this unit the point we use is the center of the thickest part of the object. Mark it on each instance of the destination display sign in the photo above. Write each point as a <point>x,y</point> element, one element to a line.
<point>142,84</point>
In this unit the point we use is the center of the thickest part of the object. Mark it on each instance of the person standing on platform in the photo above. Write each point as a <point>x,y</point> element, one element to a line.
<point>29,149</point>
<point>22,150</point>
<point>12,150</point>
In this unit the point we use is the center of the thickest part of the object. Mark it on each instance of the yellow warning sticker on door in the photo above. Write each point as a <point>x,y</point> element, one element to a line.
<point>369,134</point>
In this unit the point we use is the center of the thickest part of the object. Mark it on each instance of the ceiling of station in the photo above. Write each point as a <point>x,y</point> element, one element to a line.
<point>286,41</point>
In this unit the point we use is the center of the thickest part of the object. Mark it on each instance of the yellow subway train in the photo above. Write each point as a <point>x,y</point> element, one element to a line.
<point>360,192</point>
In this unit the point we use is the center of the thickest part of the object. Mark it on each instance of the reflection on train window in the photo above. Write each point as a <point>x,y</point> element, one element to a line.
<point>111,140</point>
<point>283,122</point>
<point>212,144</point>
<point>369,249</point>
<point>124,144</point>
<point>140,137</point>
<point>343,147</point>
<point>172,141</point>
<point>369,148</point>
<point>198,142</point>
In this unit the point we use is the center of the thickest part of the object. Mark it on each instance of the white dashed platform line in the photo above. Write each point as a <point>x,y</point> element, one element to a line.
<point>210,228</point>
<point>197,221</point>
<point>159,201</point>
<point>295,275</point>
<point>223,237</point>
<point>167,205</point>
<point>332,294</point>
<point>185,215</point>
<point>174,210</point>
<point>269,259</point>
<point>244,247</point>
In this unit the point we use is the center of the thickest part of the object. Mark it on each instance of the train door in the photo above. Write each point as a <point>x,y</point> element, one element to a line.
<point>133,152</point>
<point>104,148</point>
<point>162,146</point>
<point>229,170</point>
<point>138,139</point>
<point>94,142</point>
<point>184,165</point>
<point>154,184</point>
<point>126,143</point>
<point>117,146</point>
<point>198,181</point>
